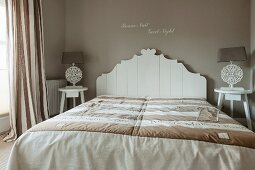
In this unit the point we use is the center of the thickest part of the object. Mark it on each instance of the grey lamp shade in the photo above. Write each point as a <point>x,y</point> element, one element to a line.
<point>72,57</point>
<point>232,54</point>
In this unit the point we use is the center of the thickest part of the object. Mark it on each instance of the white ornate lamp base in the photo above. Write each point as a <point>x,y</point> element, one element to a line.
<point>231,74</point>
<point>73,74</point>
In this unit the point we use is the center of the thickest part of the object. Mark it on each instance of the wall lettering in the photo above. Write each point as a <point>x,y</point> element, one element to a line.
<point>149,28</point>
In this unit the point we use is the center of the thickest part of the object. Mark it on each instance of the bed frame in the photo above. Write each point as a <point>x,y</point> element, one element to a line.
<point>151,75</point>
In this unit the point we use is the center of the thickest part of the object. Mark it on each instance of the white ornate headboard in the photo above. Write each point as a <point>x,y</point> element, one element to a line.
<point>151,75</point>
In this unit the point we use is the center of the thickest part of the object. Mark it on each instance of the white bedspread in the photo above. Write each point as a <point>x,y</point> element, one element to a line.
<point>84,149</point>
<point>99,151</point>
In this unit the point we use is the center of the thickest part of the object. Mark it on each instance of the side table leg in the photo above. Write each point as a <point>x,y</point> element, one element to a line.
<point>220,99</point>
<point>63,96</point>
<point>247,111</point>
<point>232,108</point>
<point>74,102</point>
<point>82,97</point>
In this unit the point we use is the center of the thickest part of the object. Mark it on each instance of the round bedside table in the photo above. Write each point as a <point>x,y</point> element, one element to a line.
<point>71,92</point>
<point>235,94</point>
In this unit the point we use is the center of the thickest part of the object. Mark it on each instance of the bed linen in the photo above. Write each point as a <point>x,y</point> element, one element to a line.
<point>111,132</point>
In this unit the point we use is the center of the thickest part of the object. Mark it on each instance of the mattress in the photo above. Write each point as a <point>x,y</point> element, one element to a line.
<point>111,132</point>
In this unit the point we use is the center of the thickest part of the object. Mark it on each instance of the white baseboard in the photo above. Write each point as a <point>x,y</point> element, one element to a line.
<point>4,124</point>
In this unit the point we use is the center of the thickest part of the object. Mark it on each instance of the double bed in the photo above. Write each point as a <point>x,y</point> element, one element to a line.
<point>144,117</point>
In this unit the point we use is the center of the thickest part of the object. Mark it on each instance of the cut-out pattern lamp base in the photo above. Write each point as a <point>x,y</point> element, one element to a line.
<point>73,74</point>
<point>231,74</point>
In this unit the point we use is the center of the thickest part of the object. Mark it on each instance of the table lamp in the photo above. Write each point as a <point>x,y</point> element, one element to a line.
<point>73,74</point>
<point>232,73</point>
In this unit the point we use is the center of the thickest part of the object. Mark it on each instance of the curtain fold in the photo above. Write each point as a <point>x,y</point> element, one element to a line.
<point>26,66</point>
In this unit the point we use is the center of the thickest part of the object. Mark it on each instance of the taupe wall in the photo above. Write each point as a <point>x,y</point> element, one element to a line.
<point>54,37</point>
<point>253,54</point>
<point>201,28</point>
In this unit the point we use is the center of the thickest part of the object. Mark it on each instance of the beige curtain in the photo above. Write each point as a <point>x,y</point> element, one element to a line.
<point>26,65</point>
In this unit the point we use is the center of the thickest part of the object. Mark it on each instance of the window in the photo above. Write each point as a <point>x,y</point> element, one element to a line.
<point>3,42</point>
<point>4,80</point>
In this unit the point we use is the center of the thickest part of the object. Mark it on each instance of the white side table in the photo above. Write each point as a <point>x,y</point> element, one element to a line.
<point>71,92</point>
<point>235,94</point>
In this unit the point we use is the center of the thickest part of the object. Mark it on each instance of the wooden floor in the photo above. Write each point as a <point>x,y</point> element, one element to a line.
<point>5,149</point>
